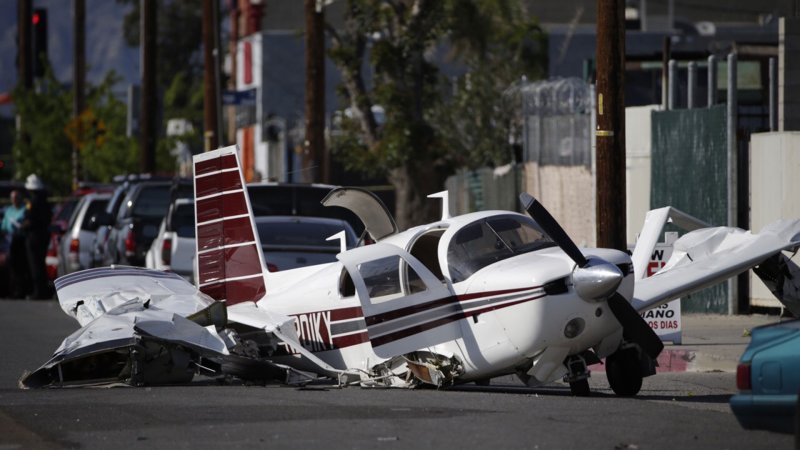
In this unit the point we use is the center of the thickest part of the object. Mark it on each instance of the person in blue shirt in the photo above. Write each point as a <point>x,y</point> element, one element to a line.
<point>11,229</point>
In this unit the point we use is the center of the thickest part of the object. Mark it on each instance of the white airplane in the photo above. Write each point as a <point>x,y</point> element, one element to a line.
<point>463,299</point>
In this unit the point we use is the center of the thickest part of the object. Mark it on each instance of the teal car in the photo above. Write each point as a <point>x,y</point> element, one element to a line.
<point>768,378</point>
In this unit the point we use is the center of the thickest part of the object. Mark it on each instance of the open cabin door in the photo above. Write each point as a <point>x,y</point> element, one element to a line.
<point>376,218</point>
<point>405,306</point>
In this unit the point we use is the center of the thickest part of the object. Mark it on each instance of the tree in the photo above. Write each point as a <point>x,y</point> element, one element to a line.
<point>428,133</point>
<point>179,61</point>
<point>46,117</point>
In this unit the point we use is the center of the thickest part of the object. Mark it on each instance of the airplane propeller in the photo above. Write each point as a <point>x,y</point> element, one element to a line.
<point>595,279</point>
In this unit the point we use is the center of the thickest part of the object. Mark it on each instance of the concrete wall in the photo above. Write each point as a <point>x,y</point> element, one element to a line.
<point>638,141</point>
<point>774,188</point>
<point>568,194</point>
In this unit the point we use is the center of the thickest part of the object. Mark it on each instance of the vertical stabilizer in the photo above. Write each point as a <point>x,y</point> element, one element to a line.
<point>229,259</point>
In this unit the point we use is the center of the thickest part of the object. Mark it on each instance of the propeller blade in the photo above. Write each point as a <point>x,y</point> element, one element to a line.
<point>552,228</point>
<point>634,328</point>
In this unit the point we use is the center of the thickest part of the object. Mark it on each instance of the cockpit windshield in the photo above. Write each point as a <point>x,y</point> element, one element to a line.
<point>490,240</point>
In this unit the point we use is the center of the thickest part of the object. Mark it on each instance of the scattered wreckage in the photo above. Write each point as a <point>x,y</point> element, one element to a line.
<point>466,298</point>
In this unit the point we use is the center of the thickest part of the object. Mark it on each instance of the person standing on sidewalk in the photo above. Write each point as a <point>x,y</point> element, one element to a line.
<point>36,226</point>
<point>11,229</point>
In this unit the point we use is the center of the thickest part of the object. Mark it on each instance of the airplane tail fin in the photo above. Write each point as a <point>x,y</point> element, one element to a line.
<point>230,264</point>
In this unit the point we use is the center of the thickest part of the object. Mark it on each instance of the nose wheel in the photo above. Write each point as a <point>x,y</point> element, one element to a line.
<point>624,372</point>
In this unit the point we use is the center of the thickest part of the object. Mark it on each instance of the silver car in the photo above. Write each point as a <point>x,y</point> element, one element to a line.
<point>173,248</point>
<point>76,242</point>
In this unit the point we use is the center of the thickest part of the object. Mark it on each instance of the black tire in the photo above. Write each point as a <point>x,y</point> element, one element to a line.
<point>624,372</point>
<point>580,388</point>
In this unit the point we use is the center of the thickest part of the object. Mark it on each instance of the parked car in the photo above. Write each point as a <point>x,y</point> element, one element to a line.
<point>173,248</point>
<point>289,242</point>
<point>288,199</point>
<point>132,220</point>
<point>76,242</point>
<point>767,378</point>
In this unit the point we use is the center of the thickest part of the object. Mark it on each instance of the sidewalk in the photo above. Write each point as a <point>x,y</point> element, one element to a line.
<point>711,342</point>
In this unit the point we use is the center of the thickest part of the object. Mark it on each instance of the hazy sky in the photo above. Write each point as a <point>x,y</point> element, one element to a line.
<point>105,46</point>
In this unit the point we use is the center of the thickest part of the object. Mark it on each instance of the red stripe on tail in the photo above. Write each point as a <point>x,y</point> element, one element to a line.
<point>229,259</point>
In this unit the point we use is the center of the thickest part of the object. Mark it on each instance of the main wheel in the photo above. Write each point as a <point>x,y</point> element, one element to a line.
<point>580,388</point>
<point>624,372</point>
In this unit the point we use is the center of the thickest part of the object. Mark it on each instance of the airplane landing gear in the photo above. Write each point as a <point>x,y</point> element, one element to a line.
<point>578,377</point>
<point>624,372</point>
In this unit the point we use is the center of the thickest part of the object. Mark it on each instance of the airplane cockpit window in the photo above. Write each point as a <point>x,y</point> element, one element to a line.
<point>388,278</point>
<point>490,240</point>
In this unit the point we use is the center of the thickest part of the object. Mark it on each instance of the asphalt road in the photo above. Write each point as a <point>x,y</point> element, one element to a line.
<point>674,410</point>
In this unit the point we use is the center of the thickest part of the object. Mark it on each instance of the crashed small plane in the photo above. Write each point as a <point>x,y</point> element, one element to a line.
<point>463,299</point>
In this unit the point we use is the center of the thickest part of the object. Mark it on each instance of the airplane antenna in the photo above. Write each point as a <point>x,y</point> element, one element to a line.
<point>342,240</point>
<point>445,203</point>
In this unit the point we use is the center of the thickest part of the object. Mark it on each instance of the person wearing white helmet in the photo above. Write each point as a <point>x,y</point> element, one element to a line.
<point>36,226</point>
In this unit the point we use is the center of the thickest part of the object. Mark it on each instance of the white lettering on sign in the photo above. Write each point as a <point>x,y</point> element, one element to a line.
<point>666,319</point>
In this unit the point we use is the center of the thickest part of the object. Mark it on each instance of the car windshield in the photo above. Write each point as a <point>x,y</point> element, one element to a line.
<point>182,220</point>
<point>493,239</point>
<point>301,233</point>
<point>152,202</point>
<point>95,207</point>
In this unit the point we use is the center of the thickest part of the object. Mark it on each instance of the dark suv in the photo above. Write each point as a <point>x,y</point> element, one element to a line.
<point>132,219</point>
<point>286,199</point>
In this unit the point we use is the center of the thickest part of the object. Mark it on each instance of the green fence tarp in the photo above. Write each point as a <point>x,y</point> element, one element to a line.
<point>690,172</point>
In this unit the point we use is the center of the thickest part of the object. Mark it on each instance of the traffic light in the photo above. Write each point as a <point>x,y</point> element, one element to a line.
<point>39,40</point>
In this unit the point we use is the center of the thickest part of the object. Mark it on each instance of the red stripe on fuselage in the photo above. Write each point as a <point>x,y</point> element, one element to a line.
<point>407,311</point>
<point>388,338</point>
<point>350,340</point>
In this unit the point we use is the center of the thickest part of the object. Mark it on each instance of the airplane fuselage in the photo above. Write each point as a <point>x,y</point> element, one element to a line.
<point>509,316</point>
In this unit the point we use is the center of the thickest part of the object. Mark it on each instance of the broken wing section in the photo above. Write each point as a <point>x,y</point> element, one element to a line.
<point>88,294</point>
<point>709,256</point>
<point>139,326</point>
<point>134,343</point>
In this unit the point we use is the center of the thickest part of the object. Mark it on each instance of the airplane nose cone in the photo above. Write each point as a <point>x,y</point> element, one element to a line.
<point>597,280</point>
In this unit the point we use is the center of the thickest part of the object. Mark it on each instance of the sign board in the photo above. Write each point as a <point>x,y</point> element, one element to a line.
<point>82,129</point>
<point>246,97</point>
<point>666,319</point>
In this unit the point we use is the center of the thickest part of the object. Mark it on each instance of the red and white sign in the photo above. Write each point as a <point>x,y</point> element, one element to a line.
<point>666,319</point>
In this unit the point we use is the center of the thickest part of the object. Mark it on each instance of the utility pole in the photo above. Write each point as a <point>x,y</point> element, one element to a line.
<point>78,78</point>
<point>232,49</point>
<point>211,125</point>
<point>24,51</point>
<point>610,129</point>
<point>315,90</point>
<point>147,122</point>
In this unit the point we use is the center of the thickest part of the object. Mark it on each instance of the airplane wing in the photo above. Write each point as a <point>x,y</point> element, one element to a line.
<point>139,326</point>
<point>708,256</point>
<point>88,294</point>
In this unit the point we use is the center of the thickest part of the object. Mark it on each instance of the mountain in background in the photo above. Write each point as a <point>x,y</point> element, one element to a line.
<point>105,46</point>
